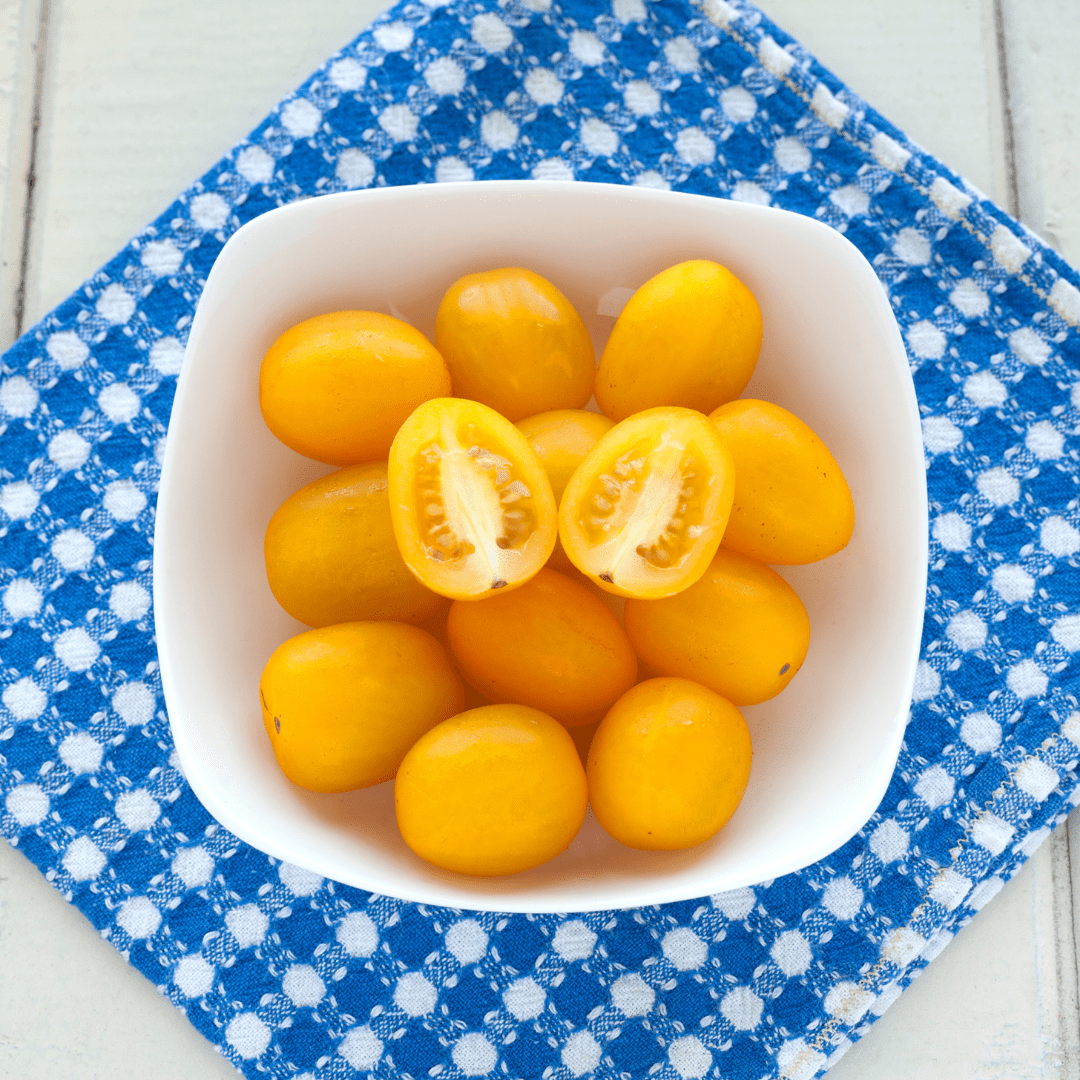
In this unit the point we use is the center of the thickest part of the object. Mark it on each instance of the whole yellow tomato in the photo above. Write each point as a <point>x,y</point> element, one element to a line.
<point>331,556</point>
<point>495,790</point>
<point>792,503</point>
<point>668,765</point>
<point>343,704</point>
<point>337,387</point>
<point>740,630</point>
<point>551,644</point>
<point>514,342</point>
<point>689,336</point>
<point>561,439</point>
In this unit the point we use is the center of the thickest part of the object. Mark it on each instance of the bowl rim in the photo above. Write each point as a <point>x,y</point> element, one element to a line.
<point>184,740</point>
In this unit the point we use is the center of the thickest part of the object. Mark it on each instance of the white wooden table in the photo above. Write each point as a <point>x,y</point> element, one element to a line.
<point>108,108</point>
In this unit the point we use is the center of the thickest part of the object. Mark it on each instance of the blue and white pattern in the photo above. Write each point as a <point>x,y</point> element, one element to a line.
<point>294,976</point>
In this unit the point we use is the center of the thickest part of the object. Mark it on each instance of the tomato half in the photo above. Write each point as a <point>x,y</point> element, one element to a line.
<point>470,502</point>
<point>645,511</point>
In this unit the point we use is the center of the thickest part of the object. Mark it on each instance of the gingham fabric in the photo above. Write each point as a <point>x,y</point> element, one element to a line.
<point>292,975</point>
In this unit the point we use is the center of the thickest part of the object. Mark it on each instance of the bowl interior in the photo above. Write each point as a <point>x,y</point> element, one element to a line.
<point>824,750</point>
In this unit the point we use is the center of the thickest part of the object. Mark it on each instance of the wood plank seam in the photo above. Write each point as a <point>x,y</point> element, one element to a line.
<point>40,49</point>
<point>1012,186</point>
<point>1068,957</point>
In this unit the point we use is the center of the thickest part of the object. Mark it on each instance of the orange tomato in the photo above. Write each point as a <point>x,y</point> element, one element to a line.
<point>689,336</point>
<point>343,704</point>
<point>644,512</point>
<point>495,790</point>
<point>551,644</point>
<point>792,504</point>
<point>740,630</point>
<point>471,505</point>
<point>514,342</point>
<point>668,765</point>
<point>337,387</point>
<point>561,439</point>
<point>331,556</point>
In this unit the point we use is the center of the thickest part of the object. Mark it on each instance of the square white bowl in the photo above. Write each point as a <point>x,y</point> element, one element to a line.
<point>824,750</point>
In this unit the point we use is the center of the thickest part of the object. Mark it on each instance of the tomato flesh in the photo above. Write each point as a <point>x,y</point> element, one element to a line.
<point>645,511</point>
<point>471,505</point>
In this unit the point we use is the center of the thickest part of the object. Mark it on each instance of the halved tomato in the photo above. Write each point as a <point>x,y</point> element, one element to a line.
<point>470,502</point>
<point>645,511</point>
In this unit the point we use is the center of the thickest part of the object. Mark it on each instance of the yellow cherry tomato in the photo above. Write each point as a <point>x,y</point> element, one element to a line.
<point>561,439</point>
<point>644,512</point>
<point>668,765</point>
<point>792,504</point>
<point>689,336</point>
<point>552,644</point>
<point>343,704</point>
<point>331,556</point>
<point>514,342</point>
<point>740,630</point>
<point>470,502</point>
<point>495,790</point>
<point>337,387</point>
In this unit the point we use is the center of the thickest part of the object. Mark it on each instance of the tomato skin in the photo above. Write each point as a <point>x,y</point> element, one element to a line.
<point>343,704</point>
<point>740,630</point>
<point>792,503</point>
<point>493,791</point>
<point>470,502</point>
<point>338,386</point>
<point>551,644</point>
<point>562,438</point>
<point>668,765</point>
<point>689,336</point>
<point>513,341</point>
<point>644,512</point>
<point>331,556</point>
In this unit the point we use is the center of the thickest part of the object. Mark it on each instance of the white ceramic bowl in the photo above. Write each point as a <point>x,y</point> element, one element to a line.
<point>824,750</point>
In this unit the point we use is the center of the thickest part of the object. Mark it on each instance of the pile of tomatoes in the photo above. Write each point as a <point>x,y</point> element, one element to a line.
<point>481,526</point>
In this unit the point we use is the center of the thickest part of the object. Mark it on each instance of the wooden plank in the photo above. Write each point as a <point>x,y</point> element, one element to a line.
<point>1044,42</point>
<point>996,1004</point>
<point>929,67</point>
<point>21,42</point>
<point>71,1007</point>
<point>142,96</point>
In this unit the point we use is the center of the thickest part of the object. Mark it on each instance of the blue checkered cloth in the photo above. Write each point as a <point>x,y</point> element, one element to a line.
<point>292,975</point>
